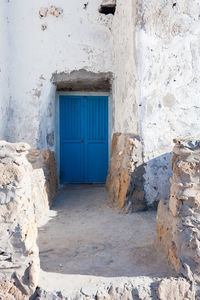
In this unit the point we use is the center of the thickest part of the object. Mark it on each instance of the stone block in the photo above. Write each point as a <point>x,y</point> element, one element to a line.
<point>125,175</point>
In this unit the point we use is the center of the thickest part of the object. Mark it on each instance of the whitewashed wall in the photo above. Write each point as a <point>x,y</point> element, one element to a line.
<point>4,52</point>
<point>78,38</point>
<point>157,82</point>
<point>169,66</point>
<point>155,60</point>
<point>125,87</point>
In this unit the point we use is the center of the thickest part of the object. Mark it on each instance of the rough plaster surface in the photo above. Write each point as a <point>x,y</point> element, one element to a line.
<point>125,85</point>
<point>74,38</point>
<point>168,67</point>
<point>4,52</point>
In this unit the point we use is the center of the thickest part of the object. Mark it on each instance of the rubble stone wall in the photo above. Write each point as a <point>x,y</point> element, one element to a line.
<point>178,219</point>
<point>21,190</point>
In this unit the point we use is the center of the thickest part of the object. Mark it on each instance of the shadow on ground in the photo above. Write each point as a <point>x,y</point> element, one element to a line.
<point>89,238</point>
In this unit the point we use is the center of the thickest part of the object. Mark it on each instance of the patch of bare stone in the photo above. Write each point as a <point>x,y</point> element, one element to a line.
<point>27,185</point>
<point>125,176</point>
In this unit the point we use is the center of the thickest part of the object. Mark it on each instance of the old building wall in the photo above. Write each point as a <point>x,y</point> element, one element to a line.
<point>4,51</point>
<point>156,88</point>
<point>152,49</point>
<point>168,53</point>
<point>49,37</point>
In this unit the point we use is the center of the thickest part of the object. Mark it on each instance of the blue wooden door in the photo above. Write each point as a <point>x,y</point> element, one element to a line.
<point>83,139</point>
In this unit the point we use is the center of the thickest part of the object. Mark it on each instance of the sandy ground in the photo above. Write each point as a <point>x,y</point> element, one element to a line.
<point>87,237</point>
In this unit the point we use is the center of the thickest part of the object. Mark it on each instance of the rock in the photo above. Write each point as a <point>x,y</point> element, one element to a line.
<point>175,289</point>
<point>125,176</point>
<point>90,290</point>
<point>19,258</point>
<point>45,173</point>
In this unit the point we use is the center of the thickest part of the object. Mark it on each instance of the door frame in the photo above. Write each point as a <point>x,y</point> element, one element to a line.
<point>60,93</point>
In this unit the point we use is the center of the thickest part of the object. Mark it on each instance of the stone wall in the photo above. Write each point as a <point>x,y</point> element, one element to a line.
<point>24,193</point>
<point>125,175</point>
<point>178,220</point>
<point>19,257</point>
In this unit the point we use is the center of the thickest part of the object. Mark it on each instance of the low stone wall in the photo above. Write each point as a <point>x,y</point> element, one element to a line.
<point>44,168</point>
<point>21,189</point>
<point>178,220</point>
<point>125,182</point>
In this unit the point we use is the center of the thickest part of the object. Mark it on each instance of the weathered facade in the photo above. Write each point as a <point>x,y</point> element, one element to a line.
<point>146,56</point>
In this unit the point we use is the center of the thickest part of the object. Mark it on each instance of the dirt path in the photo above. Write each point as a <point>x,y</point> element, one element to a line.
<point>89,238</point>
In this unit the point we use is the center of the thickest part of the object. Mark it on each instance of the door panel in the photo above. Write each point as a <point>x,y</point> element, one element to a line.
<point>71,147</point>
<point>71,163</point>
<point>83,139</point>
<point>97,164</point>
<point>96,139</point>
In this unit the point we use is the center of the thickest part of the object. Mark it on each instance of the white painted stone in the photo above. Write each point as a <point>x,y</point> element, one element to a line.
<point>77,38</point>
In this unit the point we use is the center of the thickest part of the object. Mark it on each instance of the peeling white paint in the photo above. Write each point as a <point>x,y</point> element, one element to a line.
<point>73,40</point>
